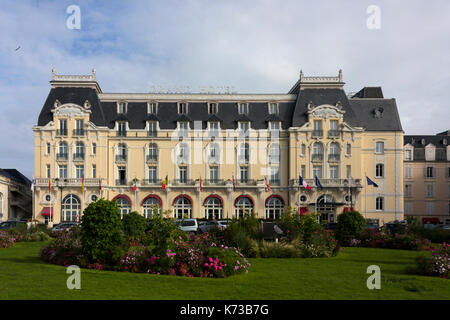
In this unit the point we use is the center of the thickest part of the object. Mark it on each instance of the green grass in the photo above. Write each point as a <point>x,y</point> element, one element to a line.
<point>24,276</point>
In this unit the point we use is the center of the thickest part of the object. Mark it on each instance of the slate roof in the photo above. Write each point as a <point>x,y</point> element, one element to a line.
<point>359,110</point>
<point>15,175</point>
<point>440,141</point>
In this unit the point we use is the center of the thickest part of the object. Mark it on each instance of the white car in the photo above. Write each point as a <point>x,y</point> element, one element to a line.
<point>188,225</point>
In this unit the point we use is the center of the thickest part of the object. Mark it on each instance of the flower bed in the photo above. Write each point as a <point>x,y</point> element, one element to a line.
<point>437,263</point>
<point>7,239</point>
<point>377,239</point>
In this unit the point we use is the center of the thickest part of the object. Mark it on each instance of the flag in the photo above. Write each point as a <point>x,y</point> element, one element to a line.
<point>303,211</point>
<point>200,184</point>
<point>164,184</point>
<point>234,183</point>
<point>267,183</point>
<point>318,184</point>
<point>133,186</point>
<point>49,185</point>
<point>100,184</point>
<point>370,182</point>
<point>303,183</point>
<point>82,185</point>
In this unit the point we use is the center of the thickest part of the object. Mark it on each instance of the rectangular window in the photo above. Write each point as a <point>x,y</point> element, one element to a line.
<point>318,131</point>
<point>122,108</point>
<point>183,174</point>
<point>334,172</point>
<point>94,148</point>
<point>274,174</point>
<point>48,148</point>
<point>152,108</point>
<point>122,175</point>
<point>48,171</point>
<point>317,171</point>
<point>430,190</point>
<point>379,203</point>
<point>274,125</point>
<point>430,172</point>
<point>79,171</point>
<point>379,147</point>
<point>94,171</point>
<point>348,149</point>
<point>213,174</point>
<point>348,171</point>
<point>334,128</point>
<point>182,108</point>
<point>303,171</point>
<point>214,127</point>
<point>407,155</point>
<point>152,174</point>
<point>303,150</point>
<point>212,108</point>
<point>379,168</point>
<point>243,108</point>
<point>273,108</point>
<point>408,207</point>
<point>63,171</point>
<point>408,173</point>
<point>244,174</point>
<point>408,190</point>
<point>79,127</point>
<point>122,129</point>
<point>63,127</point>
<point>244,127</point>
<point>152,128</point>
<point>183,125</point>
<point>430,208</point>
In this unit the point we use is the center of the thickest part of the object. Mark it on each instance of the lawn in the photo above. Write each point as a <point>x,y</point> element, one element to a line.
<point>24,276</point>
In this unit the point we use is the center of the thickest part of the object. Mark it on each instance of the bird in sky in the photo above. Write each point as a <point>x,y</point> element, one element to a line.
<point>17,48</point>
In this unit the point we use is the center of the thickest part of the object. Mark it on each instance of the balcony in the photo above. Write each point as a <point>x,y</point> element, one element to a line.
<point>61,132</point>
<point>333,133</point>
<point>213,182</point>
<point>248,182</point>
<point>62,156</point>
<point>121,182</point>
<point>78,157</point>
<point>121,157</point>
<point>275,182</point>
<point>329,183</point>
<point>150,182</point>
<point>152,158</point>
<point>317,133</point>
<point>317,157</point>
<point>78,132</point>
<point>65,182</point>
<point>334,157</point>
<point>183,182</point>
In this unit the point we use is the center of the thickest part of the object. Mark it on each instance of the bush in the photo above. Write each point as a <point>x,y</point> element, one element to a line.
<point>7,239</point>
<point>65,250</point>
<point>436,263</point>
<point>101,236</point>
<point>349,226</point>
<point>278,250</point>
<point>134,226</point>
<point>300,226</point>
<point>379,239</point>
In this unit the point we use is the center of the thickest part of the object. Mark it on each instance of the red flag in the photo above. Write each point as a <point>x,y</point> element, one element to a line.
<point>164,184</point>
<point>200,184</point>
<point>133,187</point>
<point>234,183</point>
<point>100,184</point>
<point>267,184</point>
<point>49,185</point>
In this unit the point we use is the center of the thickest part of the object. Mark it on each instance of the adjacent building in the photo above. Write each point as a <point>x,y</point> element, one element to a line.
<point>206,155</point>
<point>427,177</point>
<point>15,195</point>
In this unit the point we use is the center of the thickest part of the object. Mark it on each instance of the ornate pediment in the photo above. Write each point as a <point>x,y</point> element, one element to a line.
<point>70,109</point>
<point>326,111</point>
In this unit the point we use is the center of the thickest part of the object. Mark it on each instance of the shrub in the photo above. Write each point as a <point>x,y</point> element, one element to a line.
<point>380,239</point>
<point>7,239</point>
<point>134,226</point>
<point>278,250</point>
<point>236,236</point>
<point>349,226</point>
<point>65,250</point>
<point>225,261</point>
<point>101,236</point>
<point>321,244</point>
<point>300,226</point>
<point>436,263</point>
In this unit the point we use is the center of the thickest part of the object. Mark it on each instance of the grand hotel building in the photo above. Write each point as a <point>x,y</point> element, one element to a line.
<point>222,154</point>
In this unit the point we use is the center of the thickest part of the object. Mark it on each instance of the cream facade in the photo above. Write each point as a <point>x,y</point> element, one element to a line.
<point>427,178</point>
<point>222,154</point>
<point>15,196</point>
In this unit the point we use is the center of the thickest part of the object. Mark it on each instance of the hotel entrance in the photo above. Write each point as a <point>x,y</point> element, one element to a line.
<point>326,207</point>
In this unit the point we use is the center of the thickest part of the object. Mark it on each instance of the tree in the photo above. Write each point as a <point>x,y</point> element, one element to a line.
<point>349,226</point>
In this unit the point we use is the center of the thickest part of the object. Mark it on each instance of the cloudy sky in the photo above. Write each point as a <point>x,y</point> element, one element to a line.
<point>256,46</point>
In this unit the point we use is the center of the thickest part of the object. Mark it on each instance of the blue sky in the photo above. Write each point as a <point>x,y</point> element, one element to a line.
<point>255,46</point>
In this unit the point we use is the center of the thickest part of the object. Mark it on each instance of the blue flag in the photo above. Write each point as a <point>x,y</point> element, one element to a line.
<point>318,182</point>
<point>370,182</point>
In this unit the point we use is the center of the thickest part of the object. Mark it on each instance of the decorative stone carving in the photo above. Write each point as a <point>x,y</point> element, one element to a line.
<point>56,104</point>
<point>326,111</point>
<point>339,105</point>
<point>87,104</point>
<point>378,113</point>
<point>310,105</point>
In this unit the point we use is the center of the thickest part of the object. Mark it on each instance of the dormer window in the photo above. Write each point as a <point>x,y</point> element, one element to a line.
<point>183,127</point>
<point>122,107</point>
<point>274,125</point>
<point>244,126</point>
<point>182,108</point>
<point>213,128</point>
<point>273,108</point>
<point>152,128</point>
<point>152,108</point>
<point>122,129</point>
<point>243,108</point>
<point>213,108</point>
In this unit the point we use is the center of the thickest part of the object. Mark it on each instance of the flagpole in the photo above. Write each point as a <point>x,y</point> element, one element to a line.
<point>365,198</point>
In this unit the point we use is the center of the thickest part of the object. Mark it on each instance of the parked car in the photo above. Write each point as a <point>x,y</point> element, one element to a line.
<point>372,226</point>
<point>394,226</point>
<point>331,226</point>
<point>187,225</point>
<point>213,224</point>
<point>444,227</point>
<point>65,226</point>
<point>11,224</point>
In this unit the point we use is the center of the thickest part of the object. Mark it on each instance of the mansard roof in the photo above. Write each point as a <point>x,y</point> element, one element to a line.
<point>367,109</point>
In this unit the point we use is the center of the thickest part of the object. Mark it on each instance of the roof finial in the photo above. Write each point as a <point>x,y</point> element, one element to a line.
<point>301,74</point>
<point>53,73</point>
<point>340,75</point>
<point>93,74</point>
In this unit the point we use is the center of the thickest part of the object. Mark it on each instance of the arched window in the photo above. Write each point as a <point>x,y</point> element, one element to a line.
<point>274,153</point>
<point>150,204</point>
<point>213,208</point>
<point>379,170</point>
<point>182,208</point>
<point>153,152</point>
<point>244,153</point>
<point>379,203</point>
<point>317,151</point>
<point>334,152</point>
<point>243,206</point>
<point>71,208</point>
<point>274,208</point>
<point>124,205</point>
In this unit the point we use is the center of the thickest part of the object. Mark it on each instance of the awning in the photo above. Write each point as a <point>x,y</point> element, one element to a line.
<point>431,220</point>
<point>47,212</point>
